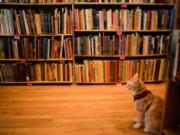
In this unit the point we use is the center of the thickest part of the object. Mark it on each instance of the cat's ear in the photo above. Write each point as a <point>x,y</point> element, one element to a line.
<point>136,76</point>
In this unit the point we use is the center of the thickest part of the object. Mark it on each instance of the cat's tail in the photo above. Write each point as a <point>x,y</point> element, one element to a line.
<point>152,131</point>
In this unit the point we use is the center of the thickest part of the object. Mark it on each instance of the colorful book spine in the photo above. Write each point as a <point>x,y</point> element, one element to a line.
<point>125,19</point>
<point>36,48</point>
<point>58,72</point>
<point>101,71</point>
<point>28,22</point>
<point>128,45</point>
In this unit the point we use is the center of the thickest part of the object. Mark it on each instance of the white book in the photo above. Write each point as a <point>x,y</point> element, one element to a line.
<point>109,19</point>
<point>61,46</point>
<point>101,19</point>
<point>86,71</point>
<point>65,20</point>
<point>70,72</point>
<point>139,19</point>
<point>144,20</point>
<point>96,51</point>
<point>25,22</point>
<point>145,44</point>
<point>161,44</point>
<point>61,72</point>
<point>45,73</point>
<point>15,50</point>
<point>161,69</point>
<point>176,60</point>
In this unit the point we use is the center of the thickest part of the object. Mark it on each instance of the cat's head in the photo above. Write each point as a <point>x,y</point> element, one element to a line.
<point>135,84</point>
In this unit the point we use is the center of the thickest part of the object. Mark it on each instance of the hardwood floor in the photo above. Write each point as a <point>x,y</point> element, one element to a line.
<point>69,110</point>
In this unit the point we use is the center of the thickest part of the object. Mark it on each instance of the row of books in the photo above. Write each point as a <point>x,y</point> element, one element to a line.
<point>129,1</point>
<point>125,19</point>
<point>57,21</point>
<point>115,71</point>
<point>129,45</point>
<point>36,48</point>
<point>35,1</point>
<point>36,72</point>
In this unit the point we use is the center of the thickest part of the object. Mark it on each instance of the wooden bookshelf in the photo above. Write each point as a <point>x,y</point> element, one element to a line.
<point>53,27</point>
<point>39,48</point>
<point>85,34</point>
<point>171,112</point>
<point>171,115</point>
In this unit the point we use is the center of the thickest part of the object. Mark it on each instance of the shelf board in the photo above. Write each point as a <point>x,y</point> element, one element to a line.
<point>148,56</point>
<point>51,82</point>
<point>84,56</point>
<point>96,83</point>
<point>9,60</point>
<point>175,131</point>
<point>119,4</point>
<point>34,60</point>
<point>38,82</point>
<point>37,35</point>
<point>36,4</point>
<point>6,83</point>
<point>155,81</point>
<point>44,60</point>
<point>122,82</point>
<point>98,56</point>
<point>119,56</point>
<point>86,3</point>
<point>125,31</point>
<point>70,82</point>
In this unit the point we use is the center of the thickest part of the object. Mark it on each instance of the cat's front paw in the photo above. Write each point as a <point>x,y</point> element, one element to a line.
<point>137,125</point>
<point>146,130</point>
<point>136,119</point>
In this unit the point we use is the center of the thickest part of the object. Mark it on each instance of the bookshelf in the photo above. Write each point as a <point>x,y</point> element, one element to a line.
<point>118,38</point>
<point>36,43</point>
<point>92,42</point>
<point>171,117</point>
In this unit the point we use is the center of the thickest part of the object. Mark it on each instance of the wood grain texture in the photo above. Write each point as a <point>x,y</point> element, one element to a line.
<point>69,110</point>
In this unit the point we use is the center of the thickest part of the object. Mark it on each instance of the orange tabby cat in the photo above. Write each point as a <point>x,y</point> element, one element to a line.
<point>148,106</point>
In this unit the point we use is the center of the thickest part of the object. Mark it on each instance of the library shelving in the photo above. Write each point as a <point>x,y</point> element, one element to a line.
<point>84,41</point>
<point>115,39</point>
<point>36,42</point>
<point>171,115</point>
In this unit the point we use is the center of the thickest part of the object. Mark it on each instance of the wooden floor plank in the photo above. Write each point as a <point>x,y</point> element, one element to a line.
<point>69,110</point>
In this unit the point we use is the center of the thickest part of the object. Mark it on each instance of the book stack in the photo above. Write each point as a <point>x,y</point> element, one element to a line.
<point>36,48</point>
<point>28,22</point>
<point>126,19</point>
<point>58,72</point>
<point>129,45</point>
<point>102,71</point>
